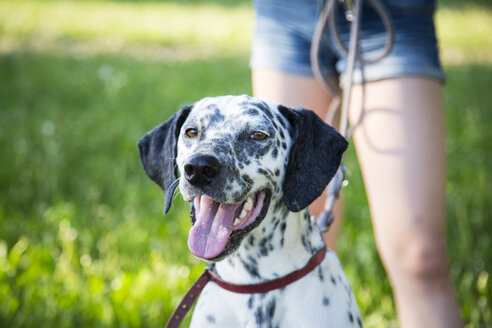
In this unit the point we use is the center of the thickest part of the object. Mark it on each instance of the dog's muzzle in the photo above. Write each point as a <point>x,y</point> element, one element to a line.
<point>201,170</point>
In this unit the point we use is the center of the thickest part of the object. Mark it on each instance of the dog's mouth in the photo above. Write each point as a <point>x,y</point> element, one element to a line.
<point>218,228</point>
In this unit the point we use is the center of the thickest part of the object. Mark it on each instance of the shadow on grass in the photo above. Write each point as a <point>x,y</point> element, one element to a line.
<point>83,241</point>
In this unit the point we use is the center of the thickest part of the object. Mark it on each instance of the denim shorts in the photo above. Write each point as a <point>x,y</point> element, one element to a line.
<point>284,29</point>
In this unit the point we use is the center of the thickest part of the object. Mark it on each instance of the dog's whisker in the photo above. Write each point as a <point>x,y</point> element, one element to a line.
<point>176,194</point>
<point>176,191</point>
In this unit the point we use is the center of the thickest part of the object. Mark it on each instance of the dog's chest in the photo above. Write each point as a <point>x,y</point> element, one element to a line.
<point>321,298</point>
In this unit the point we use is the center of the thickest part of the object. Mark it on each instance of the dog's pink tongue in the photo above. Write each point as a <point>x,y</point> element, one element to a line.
<point>213,226</point>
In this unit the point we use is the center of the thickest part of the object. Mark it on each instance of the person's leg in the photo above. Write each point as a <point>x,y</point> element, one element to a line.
<point>293,90</point>
<point>400,144</point>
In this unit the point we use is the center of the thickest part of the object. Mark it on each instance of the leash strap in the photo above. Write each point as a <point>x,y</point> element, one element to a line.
<point>188,300</point>
<point>210,275</point>
<point>328,19</point>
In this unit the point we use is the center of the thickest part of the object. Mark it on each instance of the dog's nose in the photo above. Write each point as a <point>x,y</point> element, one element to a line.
<point>200,170</point>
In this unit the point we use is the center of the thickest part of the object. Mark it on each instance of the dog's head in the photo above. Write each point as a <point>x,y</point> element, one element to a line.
<point>234,154</point>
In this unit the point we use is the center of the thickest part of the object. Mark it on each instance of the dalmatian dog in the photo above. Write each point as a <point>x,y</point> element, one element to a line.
<point>250,167</point>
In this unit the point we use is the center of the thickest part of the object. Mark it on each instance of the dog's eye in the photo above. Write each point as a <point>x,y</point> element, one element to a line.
<point>259,135</point>
<point>191,132</point>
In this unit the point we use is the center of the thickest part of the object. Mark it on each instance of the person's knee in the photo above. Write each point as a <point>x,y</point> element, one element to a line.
<point>420,255</point>
<point>427,259</point>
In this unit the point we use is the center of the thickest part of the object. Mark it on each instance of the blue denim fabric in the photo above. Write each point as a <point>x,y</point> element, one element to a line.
<point>284,29</point>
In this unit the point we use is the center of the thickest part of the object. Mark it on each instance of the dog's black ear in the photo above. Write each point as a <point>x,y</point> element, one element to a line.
<point>158,154</point>
<point>314,157</point>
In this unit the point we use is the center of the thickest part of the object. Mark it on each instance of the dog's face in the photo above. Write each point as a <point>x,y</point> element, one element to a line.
<point>234,154</point>
<point>230,148</point>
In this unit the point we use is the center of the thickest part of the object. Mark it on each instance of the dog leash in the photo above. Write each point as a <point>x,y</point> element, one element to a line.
<point>211,275</point>
<point>328,16</point>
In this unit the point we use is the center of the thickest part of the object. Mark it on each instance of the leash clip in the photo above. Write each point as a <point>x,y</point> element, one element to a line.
<point>349,9</point>
<point>340,180</point>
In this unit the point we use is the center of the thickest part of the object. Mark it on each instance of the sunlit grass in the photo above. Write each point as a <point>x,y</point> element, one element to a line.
<point>465,33</point>
<point>188,30</point>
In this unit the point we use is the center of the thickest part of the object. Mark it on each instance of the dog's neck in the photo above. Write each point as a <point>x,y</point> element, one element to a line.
<point>282,243</point>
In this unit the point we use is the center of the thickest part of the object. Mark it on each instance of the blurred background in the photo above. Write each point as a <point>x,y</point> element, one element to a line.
<point>83,241</point>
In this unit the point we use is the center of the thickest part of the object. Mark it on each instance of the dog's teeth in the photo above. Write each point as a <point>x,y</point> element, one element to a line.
<point>249,204</point>
<point>236,221</point>
<point>243,214</point>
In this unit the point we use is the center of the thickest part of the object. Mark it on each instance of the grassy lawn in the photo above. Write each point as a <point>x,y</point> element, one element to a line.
<point>83,241</point>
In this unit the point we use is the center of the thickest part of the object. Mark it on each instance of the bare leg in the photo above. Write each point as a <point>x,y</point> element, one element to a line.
<point>402,139</point>
<point>293,90</point>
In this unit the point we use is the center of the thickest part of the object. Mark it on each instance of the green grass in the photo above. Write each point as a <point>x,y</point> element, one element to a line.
<point>83,241</point>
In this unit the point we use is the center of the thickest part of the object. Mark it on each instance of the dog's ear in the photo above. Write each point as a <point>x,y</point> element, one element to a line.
<point>314,157</point>
<point>158,150</point>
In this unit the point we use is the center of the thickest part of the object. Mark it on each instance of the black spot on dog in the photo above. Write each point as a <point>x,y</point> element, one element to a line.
<point>252,260</point>
<point>306,242</point>
<point>320,274</point>
<point>210,318</point>
<point>237,196</point>
<point>248,179</point>
<point>281,119</point>
<point>263,247</point>
<point>251,268</point>
<point>333,281</point>
<point>326,301</point>
<point>259,317</point>
<point>251,302</point>
<point>359,322</point>
<point>271,309</point>
<point>252,240</point>
<point>351,317</point>
<point>276,222</point>
<point>217,117</point>
<point>252,112</point>
<point>211,107</point>
<point>283,226</point>
<point>265,109</point>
